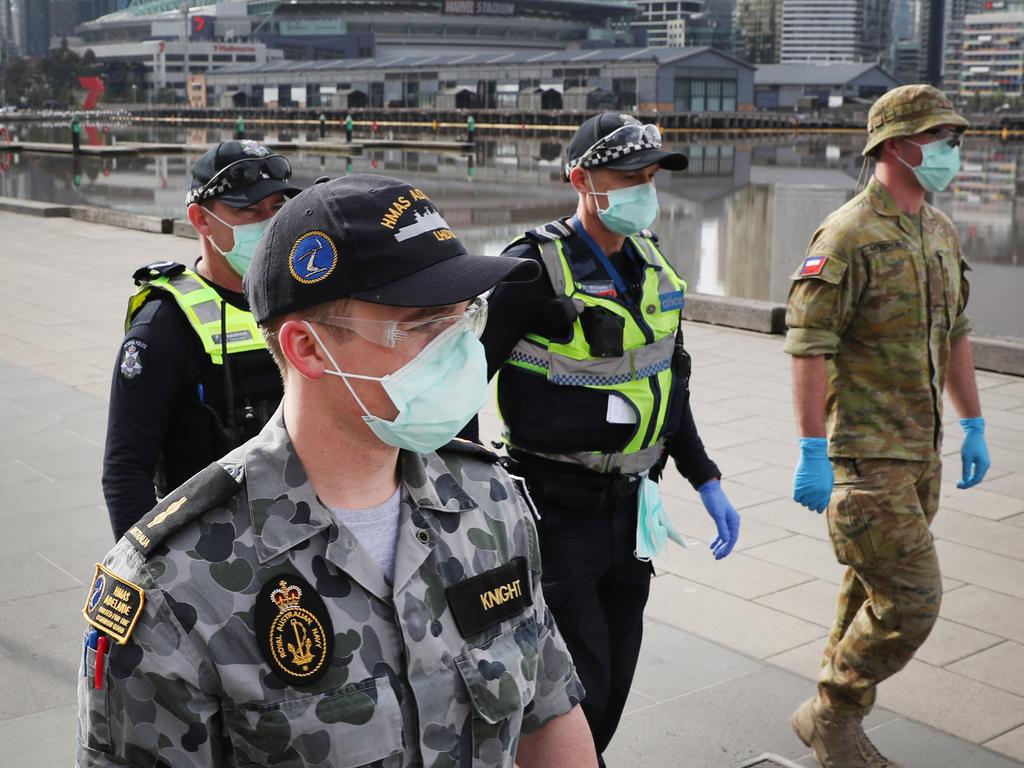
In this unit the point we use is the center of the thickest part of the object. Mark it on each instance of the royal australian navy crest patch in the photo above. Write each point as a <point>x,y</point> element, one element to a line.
<point>294,630</point>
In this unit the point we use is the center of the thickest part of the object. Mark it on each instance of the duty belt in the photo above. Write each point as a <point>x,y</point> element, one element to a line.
<point>568,486</point>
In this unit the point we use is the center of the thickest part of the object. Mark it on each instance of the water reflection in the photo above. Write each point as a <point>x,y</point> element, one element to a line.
<point>736,223</point>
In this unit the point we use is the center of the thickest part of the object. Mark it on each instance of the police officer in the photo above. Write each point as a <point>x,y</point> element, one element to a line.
<point>193,378</point>
<point>593,390</point>
<point>335,592</point>
<point>877,330</point>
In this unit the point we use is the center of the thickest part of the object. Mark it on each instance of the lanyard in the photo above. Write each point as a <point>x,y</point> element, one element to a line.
<point>620,284</point>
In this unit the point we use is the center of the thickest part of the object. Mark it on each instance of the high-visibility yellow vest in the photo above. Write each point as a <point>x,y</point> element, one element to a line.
<point>221,327</point>
<point>641,376</point>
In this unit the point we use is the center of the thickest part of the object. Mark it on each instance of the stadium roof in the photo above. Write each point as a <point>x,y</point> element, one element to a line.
<point>840,73</point>
<point>439,60</point>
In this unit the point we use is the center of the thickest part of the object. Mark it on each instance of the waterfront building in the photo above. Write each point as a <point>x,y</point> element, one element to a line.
<point>802,86</point>
<point>956,12</point>
<point>992,61</point>
<point>645,79</point>
<point>908,61</point>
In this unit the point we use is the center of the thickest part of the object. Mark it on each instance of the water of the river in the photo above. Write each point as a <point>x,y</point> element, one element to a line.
<point>735,223</point>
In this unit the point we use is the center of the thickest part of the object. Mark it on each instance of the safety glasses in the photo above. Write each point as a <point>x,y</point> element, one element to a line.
<point>242,173</point>
<point>631,137</point>
<point>953,138</point>
<point>418,333</point>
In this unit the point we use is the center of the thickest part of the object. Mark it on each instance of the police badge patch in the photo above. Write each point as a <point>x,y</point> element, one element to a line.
<point>132,352</point>
<point>294,630</point>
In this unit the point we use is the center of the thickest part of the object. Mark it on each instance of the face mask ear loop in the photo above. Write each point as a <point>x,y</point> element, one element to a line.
<point>210,238</point>
<point>338,372</point>
<point>595,193</point>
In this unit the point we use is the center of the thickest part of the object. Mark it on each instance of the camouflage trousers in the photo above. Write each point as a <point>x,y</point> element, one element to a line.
<point>879,520</point>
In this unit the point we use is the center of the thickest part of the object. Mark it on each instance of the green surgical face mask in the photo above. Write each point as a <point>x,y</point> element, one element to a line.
<point>246,237</point>
<point>629,209</point>
<point>939,164</point>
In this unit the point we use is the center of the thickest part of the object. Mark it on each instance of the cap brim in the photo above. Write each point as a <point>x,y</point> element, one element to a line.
<point>634,161</point>
<point>252,194</point>
<point>459,278</point>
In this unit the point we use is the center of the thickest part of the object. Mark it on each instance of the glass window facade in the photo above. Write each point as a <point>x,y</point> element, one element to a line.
<point>704,95</point>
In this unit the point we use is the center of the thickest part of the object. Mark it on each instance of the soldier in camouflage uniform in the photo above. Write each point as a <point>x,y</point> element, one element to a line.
<point>877,329</point>
<point>334,592</point>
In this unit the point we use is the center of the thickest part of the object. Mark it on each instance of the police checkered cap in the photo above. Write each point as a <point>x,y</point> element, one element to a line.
<point>225,154</point>
<point>621,142</point>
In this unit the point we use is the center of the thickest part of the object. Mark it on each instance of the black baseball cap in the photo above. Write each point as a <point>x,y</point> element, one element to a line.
<point>627,155</point>
<point>228,152</point>
<point>367,237</point>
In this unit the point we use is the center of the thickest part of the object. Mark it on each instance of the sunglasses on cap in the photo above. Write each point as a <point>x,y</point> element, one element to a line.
<point>623,141</point>
<point>242,173</point>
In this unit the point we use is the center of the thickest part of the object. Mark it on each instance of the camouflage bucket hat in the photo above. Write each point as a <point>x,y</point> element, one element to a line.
<point>907,110</point>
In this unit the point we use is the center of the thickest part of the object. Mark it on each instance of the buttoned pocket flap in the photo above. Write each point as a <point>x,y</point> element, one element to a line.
<point>347,727</point>
<point>501,675</point>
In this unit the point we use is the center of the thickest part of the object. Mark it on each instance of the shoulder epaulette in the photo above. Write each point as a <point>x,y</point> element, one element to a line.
<point>470,448</point>
<point>157,269</point>
<point>206,490</point>
<point>553,230</point>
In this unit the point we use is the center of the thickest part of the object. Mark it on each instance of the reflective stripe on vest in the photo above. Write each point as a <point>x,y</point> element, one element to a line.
<point>202,306</point>
<point>642,375</point>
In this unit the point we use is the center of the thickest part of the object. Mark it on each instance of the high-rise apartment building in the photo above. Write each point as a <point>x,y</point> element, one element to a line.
<point>956,12</point>
<point>992,54</point>
<point>664,21</point>
<point>837,30</point>
<point>759,31</point>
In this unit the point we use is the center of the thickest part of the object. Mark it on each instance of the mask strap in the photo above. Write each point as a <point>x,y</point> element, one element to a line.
<point>212,241</point>
<point>338,372</point>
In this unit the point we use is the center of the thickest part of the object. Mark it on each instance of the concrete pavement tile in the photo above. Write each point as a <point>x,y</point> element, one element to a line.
<point>1010,744</point>
<point>60,466</point>
<point>41,740</point>
<point>68,401</point>
<point>24,353</point>
<point>742,495</point>
<point>979,502</point>
<point>803,660</point>
<point>1001,666</point>
<point>1005,438</point>
<point>993,398</point>
<point>43,533</point>
<point>734,464</point>
<point>813,601</point>
<point>1017,520</point>
<point>714,436</point>
<point>952,468</point>
<point>38,681</point>
<point>951,642</point>
<point>737,574</point>
<point>988,611</point>
<point>800,553</point>
<point>716,413</point>
<point>1008,485</point>
<point>1010,386</point>
<point>29,389</point>
<point>777,480</point>
<point>22,421</point>
<point>738,624</point>
<point>787,514</point>
<point>766,427</point>
<point>976,566</point>
<point>27,575</point>
<point>42,443</point>
<point>694,524</point>
<point>774,452</point>
<point>674,663</point>
<point>986,535</point>
<point>46,624</point>
<point>951,702</point>
<point>637,700</point>
<point>915,745</point>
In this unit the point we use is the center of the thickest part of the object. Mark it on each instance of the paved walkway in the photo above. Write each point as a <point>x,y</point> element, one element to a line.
<point>730,647</point>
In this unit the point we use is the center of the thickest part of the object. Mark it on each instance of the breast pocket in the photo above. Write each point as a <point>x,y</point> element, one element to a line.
<point>344,728</point>
<point>501,678</point>
<point>892,306</point>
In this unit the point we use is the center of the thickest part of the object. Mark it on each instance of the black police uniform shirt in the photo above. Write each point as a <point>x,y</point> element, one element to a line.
<point>558,411</point>
<point>158,368</point>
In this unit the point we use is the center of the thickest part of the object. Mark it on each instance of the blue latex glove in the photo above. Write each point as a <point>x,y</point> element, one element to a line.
<point>973,452</point>
<point>812,481</point>
<point>726,517</point>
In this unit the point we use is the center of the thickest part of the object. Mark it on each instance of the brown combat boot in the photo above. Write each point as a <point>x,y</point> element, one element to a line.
<point>837,742</point>
<point>878,760</point>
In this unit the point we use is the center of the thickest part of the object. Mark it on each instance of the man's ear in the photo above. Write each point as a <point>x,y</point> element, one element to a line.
<point>197,218</point>
<point>578,179</point>
<point>300,348</point>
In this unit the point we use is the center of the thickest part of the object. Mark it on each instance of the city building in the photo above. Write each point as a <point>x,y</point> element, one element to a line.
<point>645,79</point>
<point>908,61</point>
<point>663,22</point>
<point>802,86</point>
<point>932,25</point>
<point>956,12</point>
<point>759,31</point>
<point>837,30</point>
<point>992,61</point>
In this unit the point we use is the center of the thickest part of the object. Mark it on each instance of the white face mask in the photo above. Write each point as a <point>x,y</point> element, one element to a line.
<point>436,393</point>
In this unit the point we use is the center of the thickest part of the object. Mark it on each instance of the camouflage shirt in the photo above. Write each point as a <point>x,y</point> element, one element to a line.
<point>881,294</point>
<point>268,636</point>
